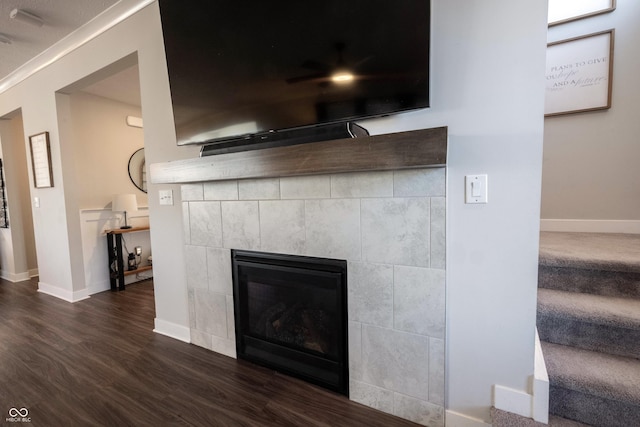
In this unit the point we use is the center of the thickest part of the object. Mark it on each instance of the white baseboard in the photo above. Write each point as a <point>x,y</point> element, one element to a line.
<point>512,400</point>
<point>534,405</point>
<point>34,272</point>
<point>63,294</point>
<point>590,226</point>
<point>173,330</point>
<point>540,386</point>
<point>455,419</point>
<point>101,286</point>
<point>13,277</point>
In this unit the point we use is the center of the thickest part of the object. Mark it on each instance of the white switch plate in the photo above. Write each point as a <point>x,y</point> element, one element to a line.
<point>166,197</point>
<point>36,202</point>
<point>476,189</point>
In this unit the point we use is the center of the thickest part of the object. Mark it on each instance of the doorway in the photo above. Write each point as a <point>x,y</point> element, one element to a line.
<point>98,139</point>
<point>18,258</point>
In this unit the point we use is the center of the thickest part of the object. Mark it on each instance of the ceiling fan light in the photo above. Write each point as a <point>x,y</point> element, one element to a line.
<point>26,17</point>
<point>342,77</point>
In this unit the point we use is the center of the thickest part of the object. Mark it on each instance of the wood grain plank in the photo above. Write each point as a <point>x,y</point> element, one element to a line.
<point>402,150</point>
<point>98,362</point>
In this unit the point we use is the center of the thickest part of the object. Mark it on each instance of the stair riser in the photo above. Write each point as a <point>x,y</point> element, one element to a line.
<point>593,410</point>
<point>605,339</point>
<point>598,282</point>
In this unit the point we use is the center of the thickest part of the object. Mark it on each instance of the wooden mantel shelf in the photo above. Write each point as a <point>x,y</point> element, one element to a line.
<point>412,149</point>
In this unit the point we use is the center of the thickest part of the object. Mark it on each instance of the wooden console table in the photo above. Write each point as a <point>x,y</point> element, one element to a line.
<point>114,249</point>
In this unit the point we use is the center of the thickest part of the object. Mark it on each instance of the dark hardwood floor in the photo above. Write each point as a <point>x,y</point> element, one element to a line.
<point>98,363</point>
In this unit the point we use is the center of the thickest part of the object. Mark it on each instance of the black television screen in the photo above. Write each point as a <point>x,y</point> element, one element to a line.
<point>245,67</point>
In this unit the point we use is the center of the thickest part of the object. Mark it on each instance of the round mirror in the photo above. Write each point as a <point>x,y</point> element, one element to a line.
<point>137,170</point>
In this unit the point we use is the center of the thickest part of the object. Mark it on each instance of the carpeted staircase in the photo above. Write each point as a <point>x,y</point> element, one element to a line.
<point>589,325</point>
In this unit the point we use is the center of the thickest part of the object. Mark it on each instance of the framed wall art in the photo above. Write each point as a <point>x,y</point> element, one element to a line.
<point>41,160</point>
<point>4,214</point>
<point>579,74</point>
<point>561,11</point>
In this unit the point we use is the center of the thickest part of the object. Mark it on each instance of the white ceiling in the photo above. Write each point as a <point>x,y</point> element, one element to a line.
<point>123,86</point>
<point>61,17</point>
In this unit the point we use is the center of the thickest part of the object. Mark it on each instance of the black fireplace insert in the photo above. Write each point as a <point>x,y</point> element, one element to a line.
<point>291,315</point>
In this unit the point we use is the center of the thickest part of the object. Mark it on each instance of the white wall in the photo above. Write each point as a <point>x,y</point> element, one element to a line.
<point>487,86</point>
<point>17,247</point>
<point>591,159</point>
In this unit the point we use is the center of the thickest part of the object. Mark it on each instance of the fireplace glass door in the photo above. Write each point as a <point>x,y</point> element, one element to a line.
<point>290,315</point>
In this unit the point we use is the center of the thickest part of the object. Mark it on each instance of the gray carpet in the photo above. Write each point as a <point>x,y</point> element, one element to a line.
<point>592,251</point>
<point>589,324</point>
<point>507,419</point>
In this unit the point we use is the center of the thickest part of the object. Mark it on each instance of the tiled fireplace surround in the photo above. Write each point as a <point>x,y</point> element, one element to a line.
<point>390,228</point>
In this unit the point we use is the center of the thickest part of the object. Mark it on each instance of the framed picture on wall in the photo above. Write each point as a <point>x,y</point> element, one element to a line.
<point>4,214</point>
<point>41,160</point>
<point>561,11</point>
<point>579,74</point>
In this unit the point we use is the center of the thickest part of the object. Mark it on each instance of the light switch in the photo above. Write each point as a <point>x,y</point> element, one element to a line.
<point>36,202</point>
<point>166,197</point>
<point>476,189</point>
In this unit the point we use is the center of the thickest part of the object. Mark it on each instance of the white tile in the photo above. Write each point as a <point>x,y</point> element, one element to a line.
<point>355,350</point>
<point>219,268</point>
<point>362,184</point>
<point>192,308</point>
<point>436,371</point>
<point>438,232</point>
<point>186,226</point>
<point>259,189</point>
<point>419,182</point>
<point>419,300</point>
<point>333,228</point>
<point>396,231</point>
<point>201,339</point>
<point>211,312</point>
<point>205,222</point>
<point>190,192</point>
<point>221,190</point>
<point>240,225</point>
<point>371,396</point>
<point>418,411</point>
<point>196,266</point>
<point>396,361</point>
<point>224,346</point>
<point>370,292</point>
<point>282,226</point>
<point>306,187</point>
<point>231,321</point>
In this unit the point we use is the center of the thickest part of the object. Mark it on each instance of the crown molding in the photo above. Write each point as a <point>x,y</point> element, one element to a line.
<point>92,29</point>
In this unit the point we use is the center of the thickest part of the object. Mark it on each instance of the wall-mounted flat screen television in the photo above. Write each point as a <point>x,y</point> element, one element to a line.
<point>246,69</point>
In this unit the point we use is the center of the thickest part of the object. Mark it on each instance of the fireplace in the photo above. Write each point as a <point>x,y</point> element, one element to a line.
<point>291,315</point>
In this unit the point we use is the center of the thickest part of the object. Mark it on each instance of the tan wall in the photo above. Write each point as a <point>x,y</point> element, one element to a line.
<point>591,169</point>
<point>103,144</point>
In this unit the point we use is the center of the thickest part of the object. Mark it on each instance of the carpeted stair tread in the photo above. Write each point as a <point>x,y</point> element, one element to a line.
<point>601,310</point>
<point>599,374</point>
<point>599,282</point>
<point>591,251</point>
